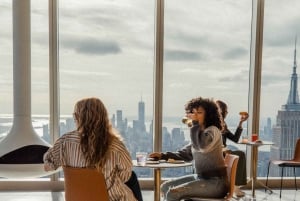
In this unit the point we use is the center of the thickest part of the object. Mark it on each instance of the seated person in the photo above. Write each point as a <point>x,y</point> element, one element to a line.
<point>96,144</point>
<point>210,180</point>
<point>241,175</point>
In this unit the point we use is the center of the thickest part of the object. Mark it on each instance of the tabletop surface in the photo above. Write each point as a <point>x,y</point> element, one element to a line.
<point>258,143</point>
<point>163,164</point>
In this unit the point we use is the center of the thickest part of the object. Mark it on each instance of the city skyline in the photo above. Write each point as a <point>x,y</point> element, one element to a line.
<point>190,53</point>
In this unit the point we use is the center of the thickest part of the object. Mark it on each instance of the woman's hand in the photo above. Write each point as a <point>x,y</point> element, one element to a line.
<point>47,167</point>
<point>244,116</point>
<point>155,155</point>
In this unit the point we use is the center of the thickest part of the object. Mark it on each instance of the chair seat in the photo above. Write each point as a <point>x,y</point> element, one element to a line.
<point>289,163</point>
<point>294,163</point>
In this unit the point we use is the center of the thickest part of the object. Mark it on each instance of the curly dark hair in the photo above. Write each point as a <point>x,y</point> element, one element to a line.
<point>212,114</point>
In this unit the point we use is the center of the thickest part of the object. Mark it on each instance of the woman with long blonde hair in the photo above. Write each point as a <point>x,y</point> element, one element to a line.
<point>96,144</point>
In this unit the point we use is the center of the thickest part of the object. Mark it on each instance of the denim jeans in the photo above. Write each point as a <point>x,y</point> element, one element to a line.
<point>191,186</point>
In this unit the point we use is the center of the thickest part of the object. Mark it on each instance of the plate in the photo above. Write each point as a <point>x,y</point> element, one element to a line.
<point>176,161</point>
<point>152,162</point>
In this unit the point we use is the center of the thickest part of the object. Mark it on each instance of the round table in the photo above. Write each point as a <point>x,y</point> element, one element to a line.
<point>254,156</point>
<point>157,172</point>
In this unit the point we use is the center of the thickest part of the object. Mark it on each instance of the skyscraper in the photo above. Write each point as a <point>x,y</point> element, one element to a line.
<point>119,120</point>
<point>140,123</point>
<point>287,128</point>
<point>141,112</point>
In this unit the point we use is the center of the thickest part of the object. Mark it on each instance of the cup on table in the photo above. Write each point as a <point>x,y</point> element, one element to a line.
<point>254,137</point>
<point>141,158</point>
<point>244,139</point>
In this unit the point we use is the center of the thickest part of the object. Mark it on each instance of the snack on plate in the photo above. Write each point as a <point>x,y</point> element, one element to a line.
<point>171,160</point>
<point>152,162</point>
<point>243,113</point>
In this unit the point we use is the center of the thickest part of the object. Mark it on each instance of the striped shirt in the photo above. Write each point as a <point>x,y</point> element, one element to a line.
<point>117,170</point>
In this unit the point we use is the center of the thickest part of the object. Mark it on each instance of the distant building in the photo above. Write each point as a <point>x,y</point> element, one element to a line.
<point>268,130</point>
<point>287,128</point>
<point>136,138</point>
<point>119,119</point>
<point>140,123</point>
<point>141,110</point>
<point>113,120</point>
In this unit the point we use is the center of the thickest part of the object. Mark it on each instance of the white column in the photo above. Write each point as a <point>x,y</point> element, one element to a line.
<point>22,132</point>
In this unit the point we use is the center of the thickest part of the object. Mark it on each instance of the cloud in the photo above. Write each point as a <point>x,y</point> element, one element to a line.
<point>85,73</point>
<point>91,46</point>
<point>182,55</point>
<point>242,76</point>
<point>190,70</point>
<point>97,47</point>
<point>179,85</point>
<point>277,35</point>
<point>275,80</point>
<point>235,53</point>
<point>6,85</point>
<point>280,39</point>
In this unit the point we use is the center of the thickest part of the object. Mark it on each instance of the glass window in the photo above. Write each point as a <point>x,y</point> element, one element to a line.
<point>40,67</point>
<point>279,109</point>
<point>206,53</point>
<point>106,50</point>
<point>6,67</point>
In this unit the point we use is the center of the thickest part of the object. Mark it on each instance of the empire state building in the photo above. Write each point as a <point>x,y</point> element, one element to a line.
<point>287,128</point>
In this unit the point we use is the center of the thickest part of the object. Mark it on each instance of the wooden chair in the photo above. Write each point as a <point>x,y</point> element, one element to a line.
<point>294,163</point>
<point>84,184</point>
<point>231,162</point>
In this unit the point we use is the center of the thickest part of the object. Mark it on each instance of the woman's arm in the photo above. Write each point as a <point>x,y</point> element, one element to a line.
<point>233,137</point>
<point>52,158</point>
<point>185,153</point>
<point>123,161</point>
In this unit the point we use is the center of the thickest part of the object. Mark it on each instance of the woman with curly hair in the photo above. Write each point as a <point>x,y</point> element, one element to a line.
<point>210,178</point>
<point>95,144</point>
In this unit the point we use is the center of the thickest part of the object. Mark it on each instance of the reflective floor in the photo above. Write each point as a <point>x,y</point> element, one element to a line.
<point>287,195</point>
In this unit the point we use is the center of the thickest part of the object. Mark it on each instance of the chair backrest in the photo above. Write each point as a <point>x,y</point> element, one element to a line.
<point>297,151</point>
<point>84,184</point>
<point>231,162</point>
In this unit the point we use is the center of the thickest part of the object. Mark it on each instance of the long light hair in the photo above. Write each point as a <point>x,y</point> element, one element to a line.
<point>96,132</point>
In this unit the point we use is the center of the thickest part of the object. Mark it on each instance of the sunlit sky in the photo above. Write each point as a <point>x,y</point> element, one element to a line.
<point>106,49</point>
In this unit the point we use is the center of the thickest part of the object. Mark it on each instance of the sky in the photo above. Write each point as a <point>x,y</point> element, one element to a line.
<point>106,49</point>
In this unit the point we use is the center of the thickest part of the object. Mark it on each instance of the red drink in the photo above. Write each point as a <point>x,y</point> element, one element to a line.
<point>254,137</point>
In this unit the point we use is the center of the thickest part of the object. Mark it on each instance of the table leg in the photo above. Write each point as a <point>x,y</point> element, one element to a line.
<point>254,152</point>
<point>157,181</point>
<point>254,182</point>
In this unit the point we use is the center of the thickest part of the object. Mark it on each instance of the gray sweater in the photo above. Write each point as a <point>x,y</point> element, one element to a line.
<point>206,149</point>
